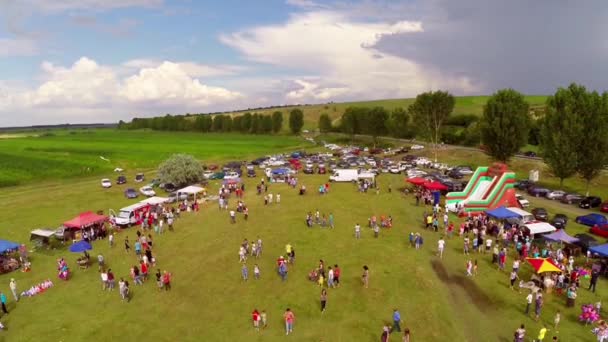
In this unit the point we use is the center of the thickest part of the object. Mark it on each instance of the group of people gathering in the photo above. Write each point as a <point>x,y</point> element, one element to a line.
<point>319,219</point>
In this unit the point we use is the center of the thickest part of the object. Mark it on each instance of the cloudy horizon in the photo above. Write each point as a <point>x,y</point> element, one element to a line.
<point>106,60</point>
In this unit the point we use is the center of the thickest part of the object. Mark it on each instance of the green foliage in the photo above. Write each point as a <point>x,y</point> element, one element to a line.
<point>296,121</point>
<point>246,123</point>
<point>505,124</point>
<point>398,123</point>
<point>256,124</point>
<point>430,110</point>
<point>534,136</point>
<point>181,170</point>
<point>324,123</point>
<point>472,135</point>
<point>376,123</point>
<point>462,120</point>
<point>277,121</point>
<point>267,124</point>
<point>218,121</point>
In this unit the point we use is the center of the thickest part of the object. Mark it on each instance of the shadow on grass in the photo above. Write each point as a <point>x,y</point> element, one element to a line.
<point>480,299</point>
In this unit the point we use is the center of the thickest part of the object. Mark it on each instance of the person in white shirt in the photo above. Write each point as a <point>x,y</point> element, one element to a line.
<point>488,245</point>
<point>440,247</point>
<point>278,198</point>
<point>516,265</point>
<point>232,216</point>
<point>528,302</point>
<point>357,231</point>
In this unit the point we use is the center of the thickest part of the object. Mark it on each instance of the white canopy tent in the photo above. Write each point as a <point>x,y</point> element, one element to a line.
<point>156,200</point>
<point>190,190</point>
<point>539,227</point>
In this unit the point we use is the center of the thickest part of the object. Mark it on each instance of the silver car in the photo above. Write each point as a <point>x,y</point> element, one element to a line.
<point>555,194</point>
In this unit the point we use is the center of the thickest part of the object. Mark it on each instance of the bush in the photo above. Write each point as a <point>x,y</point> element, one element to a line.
<point>462,120</point>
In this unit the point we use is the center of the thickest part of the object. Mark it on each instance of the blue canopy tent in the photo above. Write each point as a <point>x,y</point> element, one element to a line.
<point>501,213</point>
<point>601,250</point>
<point>80,247</point>
<point>6,246</point>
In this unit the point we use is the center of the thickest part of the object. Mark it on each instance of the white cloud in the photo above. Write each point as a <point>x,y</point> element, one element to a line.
<point>305,4</point>
<point>17,47</point>
<point>87,91</point>
<point>93,5</point>
<point>339,54</point>
<point>193,69</point>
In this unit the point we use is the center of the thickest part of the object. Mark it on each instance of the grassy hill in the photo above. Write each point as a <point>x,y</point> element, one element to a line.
<point>464,105</point>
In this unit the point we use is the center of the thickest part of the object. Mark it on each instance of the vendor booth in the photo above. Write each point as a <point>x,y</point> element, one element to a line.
<point>535,228</point>
<point>74,227</point>
<point>191,190</point>
<point>8,256</point>
<point>42,237</point>
<point>569,241</point>
<point>155,201</point>
<point>601,250</point>
<point>502,213</point>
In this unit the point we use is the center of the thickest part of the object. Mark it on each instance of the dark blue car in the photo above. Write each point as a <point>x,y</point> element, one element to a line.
<point>130,193</point>
<point>592,219</point>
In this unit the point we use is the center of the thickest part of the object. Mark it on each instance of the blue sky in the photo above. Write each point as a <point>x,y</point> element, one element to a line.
<point>104,60</point>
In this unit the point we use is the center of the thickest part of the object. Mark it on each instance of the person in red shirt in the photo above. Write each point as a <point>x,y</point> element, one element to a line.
<point>255,316</point>
<point>167,281</point>
<point>337,275</point>
<point>144,270</point>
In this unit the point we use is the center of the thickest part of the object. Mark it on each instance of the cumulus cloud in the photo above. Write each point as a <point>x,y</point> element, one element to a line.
<point>305,4</point>
<point>339,56</point>
<point>87,91</point>
<point>193,69</point>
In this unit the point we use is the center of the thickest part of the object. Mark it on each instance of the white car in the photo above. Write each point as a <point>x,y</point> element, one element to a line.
<point>231,175</point>
<point>207,174</point>
<point>147,191</point>
<point>417,147</point>
<point>555,194</point>
<point>522,201</point>
<point>411,173</point>
<point>106,183</point>
<point>118,169</point>
<point>394,169</point>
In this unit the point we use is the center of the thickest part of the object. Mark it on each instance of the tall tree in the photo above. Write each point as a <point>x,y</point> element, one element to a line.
<point>226,123</point>
<point>398,123</point>
<point>592,154</point>
<point>348,123</point>
<point>256,124</point>
<point>267,124</point>
<point>296,120</point>
<point>561,131</point>
<point>277,121</point>
<point>377,123</point>
<point>180,169</point>
<point>246,123</point>
<point>217,122</point>
<point>324,123</point>
<point>505,124</point>
<point>430,110</point>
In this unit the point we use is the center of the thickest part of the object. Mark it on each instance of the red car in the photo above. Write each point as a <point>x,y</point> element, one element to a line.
<point>604,207</point>
<point>600,230</point>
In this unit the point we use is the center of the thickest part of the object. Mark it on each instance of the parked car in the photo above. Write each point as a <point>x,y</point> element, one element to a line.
<point>251,173</point>
<point>454,173</point>
<point>559,221</point>
<point>130,193</point>
<point>604,207</point>
<point>453,186</point>
<point>555,194</point>
<point>321,170</point>
<point>529,154</point>
<point>571,198</point>
<point>106,183</point>
<point>121,179</point>
<point>522,201</point>
<point>464,169</point>
<point>172,198</point>
<point>309,170</point>
<point>585,241</point>
<point>217,175</point>
<point>169,187</point>
<point>207,174</point>
<point>416,147</point>
<point>590,202</point>
<point>537,191</point>
<point>139,177</point>
<point>600,230</point>
<point>394,170</point>
<point>524,184</point>
<point>147,191</point>
<point>591,219</point>
<point>540,214</point>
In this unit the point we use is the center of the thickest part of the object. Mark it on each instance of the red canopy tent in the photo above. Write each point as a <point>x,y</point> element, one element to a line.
<point>84,220</point>
<point>434,186</point>
<point>416,180</point>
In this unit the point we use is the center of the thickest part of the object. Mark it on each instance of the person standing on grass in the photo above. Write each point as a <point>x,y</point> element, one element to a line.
<point>264,319</point>
<point>13,286</point>
<point>159,280</point>
<point>278,198</point>
<point>127,245</point>
<point>513,277</point>
<point>469,268</point>
<point>121,289</point>
<point>516,266</point>
<point>101,262</point>
<point>111,240</point>
<point>557,319</point>
<point>520,334</point>
<point>440,247</point>
<point>376,230</point>
<point>323,300</point>
<point>542,333</point>
<point>331,220</point>
<point>110,280</point>
<point>357,231</point>
<point>538,305</point>
<point>595,274</point>
<point>232,216</point>
<point>365,277</point>
<point>330,277</point>
<point>406,335</point>
<point>3,301</point>
<point>396,321</point>
<point>246,213</point>
<point>466,245</point>
<point>244,272</point>
<point>167,280</point>
<point>385,333</point>
<point>255,316</point>
<point>104,280</point>
<point>256,272</point>
<point>337,272</point>
<point>289,318</point>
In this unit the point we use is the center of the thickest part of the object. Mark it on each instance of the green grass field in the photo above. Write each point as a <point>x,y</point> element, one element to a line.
<point>66,154</point>
<point>209,301</point>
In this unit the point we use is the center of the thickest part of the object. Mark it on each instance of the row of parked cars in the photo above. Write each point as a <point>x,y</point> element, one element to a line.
<point>584,202</point>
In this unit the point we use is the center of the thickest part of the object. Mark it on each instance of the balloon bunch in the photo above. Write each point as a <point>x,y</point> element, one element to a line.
<point>589,314</point>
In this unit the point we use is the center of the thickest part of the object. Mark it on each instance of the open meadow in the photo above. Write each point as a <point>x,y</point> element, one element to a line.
<point>61,154</point>
<point>210,302</point>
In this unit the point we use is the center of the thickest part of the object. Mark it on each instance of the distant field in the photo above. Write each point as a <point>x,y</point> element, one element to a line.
<point>78,153</point>
<point>464,105</point>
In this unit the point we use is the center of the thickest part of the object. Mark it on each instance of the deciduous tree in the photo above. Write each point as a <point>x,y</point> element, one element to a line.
<point>429,111</point>
<point>180,169</point>
<point>296,120</point>
<point>277,121</point>
<point>324,123</point>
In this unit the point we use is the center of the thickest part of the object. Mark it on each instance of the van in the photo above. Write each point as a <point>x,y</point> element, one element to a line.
<point>344,175</point>
<point>130,215</point>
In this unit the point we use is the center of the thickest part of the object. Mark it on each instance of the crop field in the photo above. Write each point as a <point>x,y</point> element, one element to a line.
<point>64,154</point>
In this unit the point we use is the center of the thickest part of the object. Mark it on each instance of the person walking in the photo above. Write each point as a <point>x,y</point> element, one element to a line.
<point>365,276</point>
<point>13,286</point>
<point>167,280</point>
<point>101,262</point>
<point>232,216</point>
<point>127,245</point>
<point>376,230</point>
<point>440,247</point>
<point>396,321</point>
<point>541,334</point>
<point>3,301</point>
<point>330,277</point>
<point>111,280</point>
<point>529,299</point>
<point>595,274</point>
<point>337,272</point>
<point>357,231</point>
<point>520,334</point>
<point>323,300</point>
<point>244,272</point>
<point>331,220</point>
<point>513,278</point>
<point>406,335</point>
<point>256,272</point>
<point>111,240</point>
<point>538,305</point>
<point>289,318</point>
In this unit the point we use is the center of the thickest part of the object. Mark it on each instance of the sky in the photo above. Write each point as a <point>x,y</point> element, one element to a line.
<point>85,61</point>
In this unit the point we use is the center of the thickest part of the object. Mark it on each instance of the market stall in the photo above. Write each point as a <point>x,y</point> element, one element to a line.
<point>8,256</point>
<point>502,213</point>
<point>191,190</point>
<point>42,237</point>
<point>86,220</point>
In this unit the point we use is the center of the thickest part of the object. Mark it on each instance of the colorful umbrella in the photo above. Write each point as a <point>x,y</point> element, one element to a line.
<point>416,180</point>
<point>434,186</point>
<point>542,265</point>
